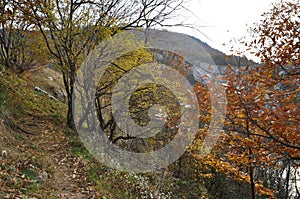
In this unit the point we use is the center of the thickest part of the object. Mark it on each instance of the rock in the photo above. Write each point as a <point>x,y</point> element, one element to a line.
<point>4,153</point>
<point>38,89</point>
<point>42,177</point>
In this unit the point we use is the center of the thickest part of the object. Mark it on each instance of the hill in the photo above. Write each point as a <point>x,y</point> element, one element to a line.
<point>41,158</point>
<point>221,59</point>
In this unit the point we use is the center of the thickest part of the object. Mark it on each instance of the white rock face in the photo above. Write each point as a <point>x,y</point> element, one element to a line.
<point>38,89</point>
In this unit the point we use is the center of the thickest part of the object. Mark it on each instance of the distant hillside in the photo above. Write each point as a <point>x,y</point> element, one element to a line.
<point>168,40</point>
<point>203,59</point>
<point>220,58</point>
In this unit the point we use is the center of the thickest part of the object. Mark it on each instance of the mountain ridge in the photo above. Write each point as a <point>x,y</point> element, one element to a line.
<point>220,58</point>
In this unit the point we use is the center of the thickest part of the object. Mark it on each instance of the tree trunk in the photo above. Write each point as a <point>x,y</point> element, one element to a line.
<point>71,122</point>
<point>251,167</point>
<point>252,184</point>
<point>287,181</point>
<point>70,116</point>
<point>69,81</point>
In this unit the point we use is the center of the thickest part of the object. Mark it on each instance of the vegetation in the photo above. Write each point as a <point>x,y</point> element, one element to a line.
<point>18,40</point>
<point>262,128</point>
<point>43,43</point>
<point>71,29</point>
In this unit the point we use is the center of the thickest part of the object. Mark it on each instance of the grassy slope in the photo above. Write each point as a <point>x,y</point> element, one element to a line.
<point>55,150</point>
<point>49,152</point>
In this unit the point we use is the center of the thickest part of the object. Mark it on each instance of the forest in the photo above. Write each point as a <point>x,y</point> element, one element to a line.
<point>97,101</point>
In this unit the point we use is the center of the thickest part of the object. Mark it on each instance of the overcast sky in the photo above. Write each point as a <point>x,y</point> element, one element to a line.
<point>223,20</point>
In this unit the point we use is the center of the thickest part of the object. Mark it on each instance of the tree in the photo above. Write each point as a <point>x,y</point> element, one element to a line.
<point>279,48</point>
<point>142,99</point>
<point>277,36</point>
<point>71,29</point>
<point>17,39</point>
<point>262,121</point>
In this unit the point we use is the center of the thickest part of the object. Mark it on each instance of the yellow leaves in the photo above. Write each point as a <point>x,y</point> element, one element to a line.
<point>208,175</point>
<point>262,190</point>
<point>278,37</point>
<point>240,115</point>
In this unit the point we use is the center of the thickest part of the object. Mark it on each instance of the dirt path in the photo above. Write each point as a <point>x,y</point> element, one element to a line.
<point>41,163</point>
<point>47,152</point>
<point>68,175</point>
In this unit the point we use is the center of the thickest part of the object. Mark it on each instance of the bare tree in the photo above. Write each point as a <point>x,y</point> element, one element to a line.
<point>14,38</point>
<point>71,29</point>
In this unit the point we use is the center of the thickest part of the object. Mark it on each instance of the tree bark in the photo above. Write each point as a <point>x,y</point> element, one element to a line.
<point>252,184</point>
<point>69,86</point>
<point>287,181</point>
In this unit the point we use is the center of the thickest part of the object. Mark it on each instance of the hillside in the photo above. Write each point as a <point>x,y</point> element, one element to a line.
<point>42,158</point>
<point>221,59</point>
<point>197,54</point>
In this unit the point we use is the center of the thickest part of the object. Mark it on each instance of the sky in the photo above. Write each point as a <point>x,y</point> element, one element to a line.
<point>218,21</point>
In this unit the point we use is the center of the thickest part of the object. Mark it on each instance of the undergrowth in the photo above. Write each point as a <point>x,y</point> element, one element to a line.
<point>58,151</point>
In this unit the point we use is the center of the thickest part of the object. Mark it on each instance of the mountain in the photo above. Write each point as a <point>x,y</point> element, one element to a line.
<point>220,57</point>
<point>164,39</point>
<point>202,59</point>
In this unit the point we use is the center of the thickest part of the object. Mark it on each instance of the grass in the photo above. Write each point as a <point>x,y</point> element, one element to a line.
<point>79,149</point>
<point>30,174</point>
<point>54,148</point>
<point>25,157</point>
<point>28,156</point>
<point>18,93</point>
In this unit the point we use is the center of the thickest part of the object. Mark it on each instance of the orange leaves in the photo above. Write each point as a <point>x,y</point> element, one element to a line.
<point>278,34</point>
<point>262,108</point>
<point>262,126</point>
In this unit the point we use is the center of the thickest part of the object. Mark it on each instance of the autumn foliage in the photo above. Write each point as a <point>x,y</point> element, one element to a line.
<point>259,146</point>
<point>263,115</point>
